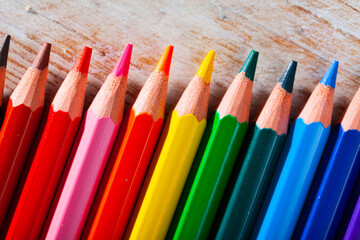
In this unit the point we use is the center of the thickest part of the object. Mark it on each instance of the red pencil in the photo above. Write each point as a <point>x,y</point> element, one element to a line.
<point>131,156</point>
<point>53,150</point>
<point>21,122</point>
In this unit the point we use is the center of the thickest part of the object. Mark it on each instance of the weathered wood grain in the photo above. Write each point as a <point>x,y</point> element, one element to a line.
<point>312,32</point>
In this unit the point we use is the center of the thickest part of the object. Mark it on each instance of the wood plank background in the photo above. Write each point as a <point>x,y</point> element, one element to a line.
<point>312,32</point>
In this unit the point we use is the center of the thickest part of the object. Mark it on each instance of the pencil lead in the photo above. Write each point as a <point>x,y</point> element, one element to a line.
<point>329,78</point>
<point>249,66</point>
<point>206,67</point>
<point>42,59</point>
<point>83,61</point>
<point>123,64</point>
<point>287,79</point>
<point>165,60</point>
<point>5,51</point>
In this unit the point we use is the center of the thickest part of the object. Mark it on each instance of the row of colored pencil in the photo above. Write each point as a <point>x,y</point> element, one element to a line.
<point>108,176</point>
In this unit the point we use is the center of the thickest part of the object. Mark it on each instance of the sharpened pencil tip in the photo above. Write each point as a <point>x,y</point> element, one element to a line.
<point>123,64</point>
<point>165,60</point>
<point>206,67</point>
<point>249,66</point>
<point>287,79</point>
<point>329,78</point>
<point>83,61</point>
<point>42,59</point>
<point>5,51</point>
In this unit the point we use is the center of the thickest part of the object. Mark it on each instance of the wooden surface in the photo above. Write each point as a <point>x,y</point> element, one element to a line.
<point>312,32</point>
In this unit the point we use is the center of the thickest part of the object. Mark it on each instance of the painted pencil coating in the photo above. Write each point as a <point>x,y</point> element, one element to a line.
<point>330,200</point>
<point>49,161</point>
<point>210,181</point>
<point>172,160</point>
<point>160,207</point>
<point>88,163</point>
<point>131,156</point>
<point>111,208</point>
<point>301,156</point>
<point>216,162</point>
<point>249,189</point>
<point>34,202</point>
<point>295,180</point>
<point>22,117</point>
<point>353,230</point>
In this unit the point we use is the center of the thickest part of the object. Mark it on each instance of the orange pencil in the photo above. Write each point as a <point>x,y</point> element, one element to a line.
<point>22,118</point>
<point>131,156</point>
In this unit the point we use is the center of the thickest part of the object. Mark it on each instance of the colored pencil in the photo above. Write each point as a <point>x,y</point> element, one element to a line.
<point>3,62</point>
<point>53,150</point>
<point>137,139</point>
<point>349,210</point>
<point>326,203</point>
<point>259,161</point>
<point>302,152</point>
<point>90,153</point>
<point>21,121</point>
<point>353,230</point>
<point>194,217</point>
<point>173,158</point>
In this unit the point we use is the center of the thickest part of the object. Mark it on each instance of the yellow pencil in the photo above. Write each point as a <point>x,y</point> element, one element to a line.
<point>173,158</point>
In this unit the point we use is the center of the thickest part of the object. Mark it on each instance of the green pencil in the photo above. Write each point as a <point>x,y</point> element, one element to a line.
<point>259,161</point>
<point>212,167</point>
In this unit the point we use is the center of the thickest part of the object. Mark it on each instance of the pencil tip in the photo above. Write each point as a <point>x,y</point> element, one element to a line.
<point>287,79</point>
<point>329,78</point>
<point>83,61</point>
<point>249,66</point>
<point>206,67</point>
<point>123,64</point>
<point>42,59</point>
<point>165,60</point>
<point>5,51</point>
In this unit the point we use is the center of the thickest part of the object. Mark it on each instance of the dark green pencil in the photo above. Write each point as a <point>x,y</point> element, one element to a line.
<point>259,161</point>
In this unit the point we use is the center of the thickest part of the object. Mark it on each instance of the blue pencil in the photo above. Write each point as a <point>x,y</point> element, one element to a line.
<point>301,156</point>
<point>326,203</point>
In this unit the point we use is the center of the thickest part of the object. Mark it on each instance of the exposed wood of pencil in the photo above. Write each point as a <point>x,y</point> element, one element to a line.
<point>109,102</point>
<point>236,101</point>
<point>195,99</point>
<point>71,95</point>
<point>31,89</point>
<point>152,97</point>
<point>351,118</point>
<point>276,112</point>
<point>319,106</point>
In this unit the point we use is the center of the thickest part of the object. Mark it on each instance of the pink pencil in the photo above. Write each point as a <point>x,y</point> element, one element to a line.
<point>90,153</point>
